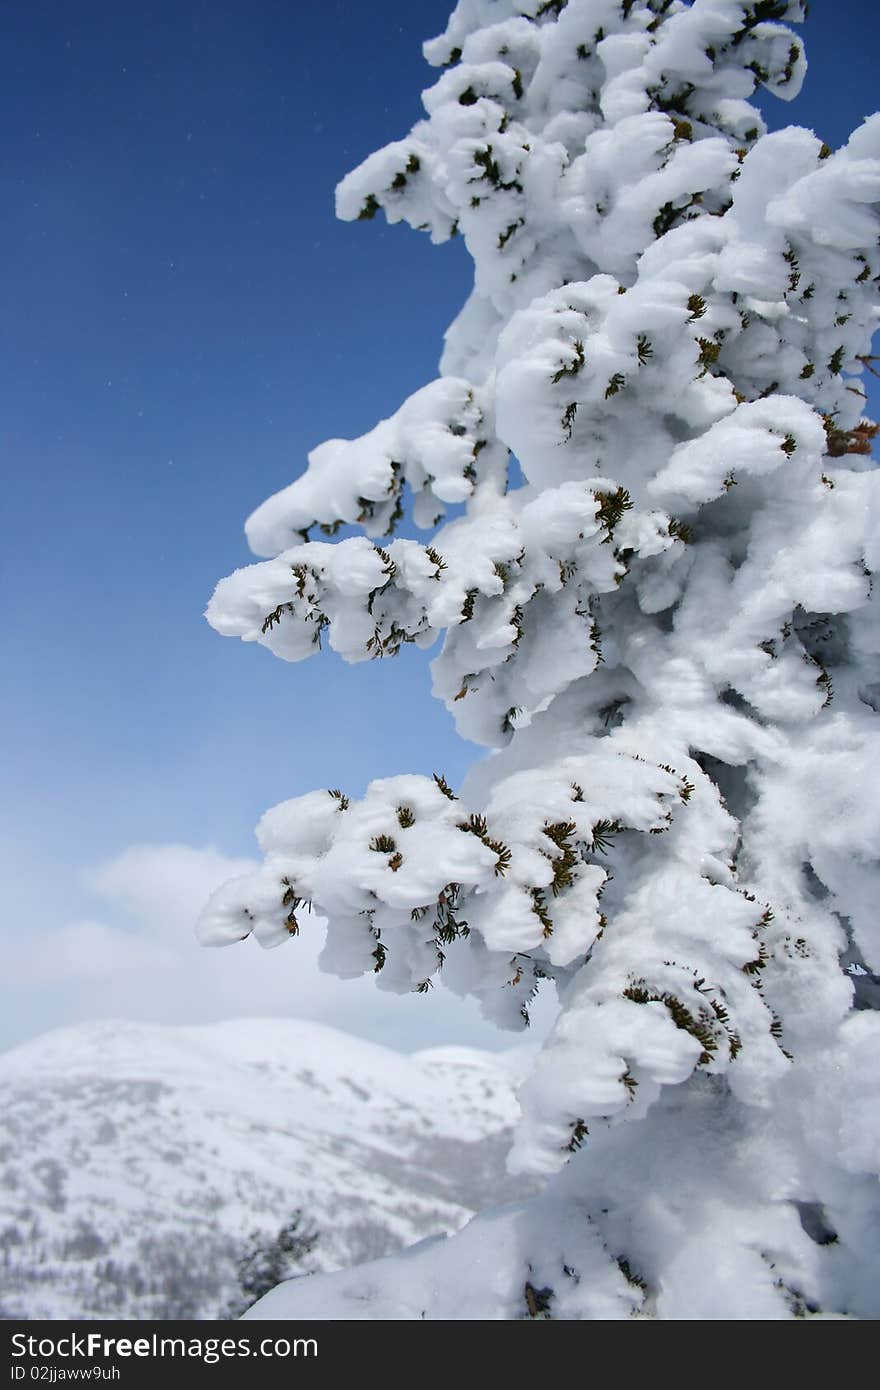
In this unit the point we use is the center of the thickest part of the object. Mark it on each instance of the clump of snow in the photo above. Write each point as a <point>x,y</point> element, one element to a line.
<point>667,635</point>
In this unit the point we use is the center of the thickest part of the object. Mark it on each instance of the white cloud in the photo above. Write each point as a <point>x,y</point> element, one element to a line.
<point>82,953</point>
<point>162,888</point>
<point>137,957</point>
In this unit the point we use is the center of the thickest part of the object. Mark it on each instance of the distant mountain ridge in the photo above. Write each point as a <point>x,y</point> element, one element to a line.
<point>140,1164</point>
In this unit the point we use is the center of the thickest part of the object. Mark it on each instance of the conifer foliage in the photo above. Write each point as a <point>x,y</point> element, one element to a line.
<point>664,628</point>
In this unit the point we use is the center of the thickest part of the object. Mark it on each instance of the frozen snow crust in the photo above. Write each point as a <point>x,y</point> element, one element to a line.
<point>667,636</point>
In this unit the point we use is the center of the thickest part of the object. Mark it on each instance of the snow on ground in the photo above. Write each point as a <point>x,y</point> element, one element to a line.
<point>140,1163</point>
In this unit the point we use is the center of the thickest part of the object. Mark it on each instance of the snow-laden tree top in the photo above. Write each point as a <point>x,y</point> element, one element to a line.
<point>666,631</point>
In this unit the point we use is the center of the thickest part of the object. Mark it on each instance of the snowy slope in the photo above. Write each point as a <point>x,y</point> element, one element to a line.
<point>137,1163</point>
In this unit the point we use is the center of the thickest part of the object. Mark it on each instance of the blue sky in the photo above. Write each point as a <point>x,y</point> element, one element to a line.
<point>181,319</point>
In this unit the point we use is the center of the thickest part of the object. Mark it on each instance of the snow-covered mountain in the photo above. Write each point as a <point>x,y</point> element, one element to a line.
<point>140,1165</point>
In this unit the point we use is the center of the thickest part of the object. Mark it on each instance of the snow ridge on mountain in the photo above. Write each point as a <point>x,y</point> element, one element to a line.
<point>141,1164</point>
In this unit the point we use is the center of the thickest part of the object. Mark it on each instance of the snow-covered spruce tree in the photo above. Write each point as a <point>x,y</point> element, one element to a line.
<point>665,634</point>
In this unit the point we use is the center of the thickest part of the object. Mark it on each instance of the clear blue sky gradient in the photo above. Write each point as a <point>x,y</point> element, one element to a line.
<point>182,318</point>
